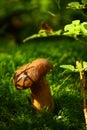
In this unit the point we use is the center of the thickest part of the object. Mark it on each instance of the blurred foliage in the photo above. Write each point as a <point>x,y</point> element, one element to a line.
<point>76,28</point>
<point>19,18</point>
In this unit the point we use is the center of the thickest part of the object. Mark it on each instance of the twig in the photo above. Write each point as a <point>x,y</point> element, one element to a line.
<point>83,84</point>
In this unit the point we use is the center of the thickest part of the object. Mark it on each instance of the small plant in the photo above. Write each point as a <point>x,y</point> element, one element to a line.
<point>81,67</point>
<point>45,31</point>
<point>74,29</point>
<point>77,5</point>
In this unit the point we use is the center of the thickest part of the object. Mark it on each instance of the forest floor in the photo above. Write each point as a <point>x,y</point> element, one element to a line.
<point>16,112</point>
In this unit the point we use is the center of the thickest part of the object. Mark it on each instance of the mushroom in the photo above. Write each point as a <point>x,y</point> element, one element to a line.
<point>32,75</point>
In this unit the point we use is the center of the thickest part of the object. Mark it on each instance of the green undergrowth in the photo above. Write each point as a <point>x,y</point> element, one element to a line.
<point>16,112</point>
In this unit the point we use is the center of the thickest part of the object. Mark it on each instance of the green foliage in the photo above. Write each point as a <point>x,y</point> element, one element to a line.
<point>68,67</point>
<point>76,28</point>
<point>72,29</point>
<point>43,33</point>
<point>84,2</point>
<point>76,5</point>
<point>84,28</point>
<point>31,14</point>
<point>73,69</point>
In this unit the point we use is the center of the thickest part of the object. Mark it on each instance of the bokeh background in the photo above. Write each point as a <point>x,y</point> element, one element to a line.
<point>20,19</point>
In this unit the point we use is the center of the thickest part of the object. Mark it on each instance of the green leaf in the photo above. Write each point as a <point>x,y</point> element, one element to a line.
<point>69,28</point>
<point>84,28</point>
<point>68,67</point>
<point>72,29</point>
<point>31,37</point>
<point>76,22</point>
<point>43,33</point>
<point>84,2</point>
<point>75,5</point>
<point>85,65</point>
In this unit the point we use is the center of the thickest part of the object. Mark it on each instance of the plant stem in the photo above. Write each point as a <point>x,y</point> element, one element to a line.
<point>83,84</point>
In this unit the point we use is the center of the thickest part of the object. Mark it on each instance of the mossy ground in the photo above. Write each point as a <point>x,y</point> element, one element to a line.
<point>16,112</point>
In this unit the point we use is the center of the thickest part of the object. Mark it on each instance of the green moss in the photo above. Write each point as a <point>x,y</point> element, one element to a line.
<point>16,111</point>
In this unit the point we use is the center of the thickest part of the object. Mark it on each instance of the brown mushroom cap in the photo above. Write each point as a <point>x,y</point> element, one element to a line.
<point>30,73</point>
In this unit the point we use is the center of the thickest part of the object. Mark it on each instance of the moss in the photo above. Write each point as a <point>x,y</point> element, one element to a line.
<point>16,111</point>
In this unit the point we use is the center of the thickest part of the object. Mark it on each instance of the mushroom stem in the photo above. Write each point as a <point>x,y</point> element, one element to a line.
<point>41,95</point>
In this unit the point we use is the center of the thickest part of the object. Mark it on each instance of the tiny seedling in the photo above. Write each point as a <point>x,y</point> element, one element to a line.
<point>81,67</point>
